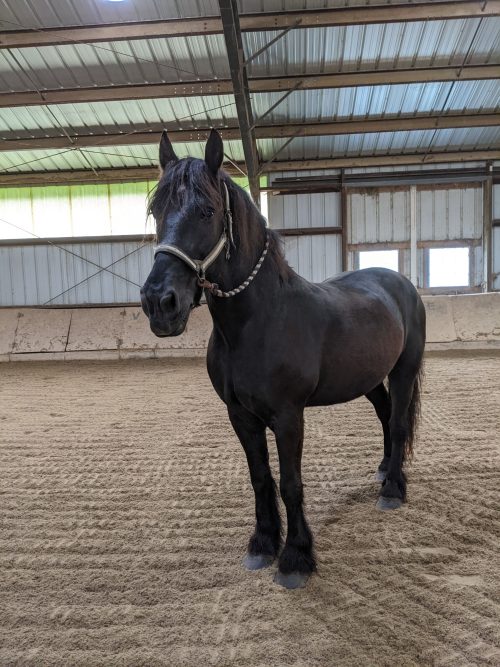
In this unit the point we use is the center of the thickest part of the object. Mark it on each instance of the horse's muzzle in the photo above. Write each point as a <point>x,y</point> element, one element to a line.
<point>164,312</point>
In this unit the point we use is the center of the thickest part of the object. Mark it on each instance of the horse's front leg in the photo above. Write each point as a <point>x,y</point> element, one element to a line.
<point>297,560</point>
<point>265,542</point>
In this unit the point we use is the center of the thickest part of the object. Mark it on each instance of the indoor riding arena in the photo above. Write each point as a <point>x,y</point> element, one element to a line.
<point>367,134</point>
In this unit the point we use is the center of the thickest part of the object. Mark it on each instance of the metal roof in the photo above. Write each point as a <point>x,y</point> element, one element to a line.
<point>379,101</point>
<point>104,157</point>
<point>379,46</point>
<point>356,145</point>
<point>104,117</point>
<point>304,52</point>
<point>116,63</point>
<point>59,13</point>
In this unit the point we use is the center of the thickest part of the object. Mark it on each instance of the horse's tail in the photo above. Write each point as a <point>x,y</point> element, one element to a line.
<point>414,412</point>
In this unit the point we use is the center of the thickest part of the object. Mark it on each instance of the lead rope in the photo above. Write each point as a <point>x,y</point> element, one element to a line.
<point>213,288</point>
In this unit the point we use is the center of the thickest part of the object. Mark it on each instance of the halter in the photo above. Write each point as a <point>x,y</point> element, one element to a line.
<point>226,240</point>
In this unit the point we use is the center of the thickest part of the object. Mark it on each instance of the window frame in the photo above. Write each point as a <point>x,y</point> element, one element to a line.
<point>450,289</point>
<point>396,250</point>
<point>423,248</point>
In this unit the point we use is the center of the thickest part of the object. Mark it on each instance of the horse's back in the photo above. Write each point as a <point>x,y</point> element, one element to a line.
<point>385,285</point>
<point>374,280</point>
<point>374,312</point>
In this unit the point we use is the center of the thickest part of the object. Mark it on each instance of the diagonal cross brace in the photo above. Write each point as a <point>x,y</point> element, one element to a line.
<point>273,41</point>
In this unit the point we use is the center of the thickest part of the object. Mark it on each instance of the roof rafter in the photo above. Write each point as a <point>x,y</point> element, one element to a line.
<point>210,25</point>
<point>151,173</point>
<point>256,85</point>
<point>235,55</point>
<point>361,126</point>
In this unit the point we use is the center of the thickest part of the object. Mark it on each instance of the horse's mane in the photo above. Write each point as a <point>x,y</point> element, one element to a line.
<point>190,180</point>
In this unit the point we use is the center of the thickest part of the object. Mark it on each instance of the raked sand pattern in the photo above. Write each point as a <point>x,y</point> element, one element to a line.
<point>125,509</point>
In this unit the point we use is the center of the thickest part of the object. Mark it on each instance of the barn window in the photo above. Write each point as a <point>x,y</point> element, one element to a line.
<point>449,267</point>
<point>387,259</point>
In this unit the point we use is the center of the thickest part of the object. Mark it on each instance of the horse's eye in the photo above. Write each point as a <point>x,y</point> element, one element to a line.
<point>207,213</point>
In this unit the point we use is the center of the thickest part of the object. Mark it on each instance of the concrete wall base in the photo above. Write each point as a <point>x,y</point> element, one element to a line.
<point>464,323</point>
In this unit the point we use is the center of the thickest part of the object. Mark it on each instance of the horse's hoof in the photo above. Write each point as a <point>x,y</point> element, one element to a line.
<point>385,504</point>
<point>291,580</point>
<point>380,475</point>
<point>257,561</point>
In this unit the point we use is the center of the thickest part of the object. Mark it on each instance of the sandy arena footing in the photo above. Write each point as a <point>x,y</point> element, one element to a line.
<point>126,508</point>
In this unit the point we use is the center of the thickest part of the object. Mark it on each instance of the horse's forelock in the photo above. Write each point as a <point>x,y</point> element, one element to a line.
<point>185,181</point>
<point>190,181</point>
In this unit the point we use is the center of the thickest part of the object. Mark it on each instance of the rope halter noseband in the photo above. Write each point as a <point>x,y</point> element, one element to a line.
<point>226,240</point>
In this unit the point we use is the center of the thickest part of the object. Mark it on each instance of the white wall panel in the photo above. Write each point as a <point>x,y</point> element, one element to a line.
<point>76,210</point>
<point>496,201</point>
<point>16,214</point>
<point>305,210</point>
<point>315,257</point>
<point>379,216</point>
<point>450,214</point>
<point>90,210</point>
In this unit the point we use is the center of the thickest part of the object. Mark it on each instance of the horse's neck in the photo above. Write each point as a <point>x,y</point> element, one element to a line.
<point>231,314</point>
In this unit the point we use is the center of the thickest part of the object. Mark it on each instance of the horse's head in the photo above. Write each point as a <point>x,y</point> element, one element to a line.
<point>191,216</point>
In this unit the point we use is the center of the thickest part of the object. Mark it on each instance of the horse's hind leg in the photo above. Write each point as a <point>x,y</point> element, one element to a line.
<point>381,401</point>
<point>404,388</point>
<point>265,542</point>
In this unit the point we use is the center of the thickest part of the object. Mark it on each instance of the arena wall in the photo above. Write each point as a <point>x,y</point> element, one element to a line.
<point>453,322</point>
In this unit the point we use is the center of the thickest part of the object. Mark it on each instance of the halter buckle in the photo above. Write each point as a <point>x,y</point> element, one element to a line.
<point>206,284</point>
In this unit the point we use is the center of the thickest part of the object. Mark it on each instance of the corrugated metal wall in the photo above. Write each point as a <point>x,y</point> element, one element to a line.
<point>77,210</point>
<point>315,257</point>
<point>307,210</point>
<point>378,216</point>
<point>37,274</point>
<point>443,214</point>
<point>450,214</point>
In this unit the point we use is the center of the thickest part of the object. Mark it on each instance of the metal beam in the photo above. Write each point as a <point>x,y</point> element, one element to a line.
<point>423,178</point>
<point>487,235</point>
<point>385,160</point>
<point>239,78</point>
<point>116,93</point>
<point>345,224</point>
<point>367,125</point>
<point>375,78</point>
<point>308,231</point>
<point>151,173</point>
<point>256,85</point>
<point>425,11</point>
<point>125,138</point>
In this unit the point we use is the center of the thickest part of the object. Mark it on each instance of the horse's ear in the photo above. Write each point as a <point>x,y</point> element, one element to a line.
<point>167,153</point>
<point>214,152</point>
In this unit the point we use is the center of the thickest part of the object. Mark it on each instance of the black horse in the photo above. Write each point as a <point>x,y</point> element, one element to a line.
<point>280,343</point>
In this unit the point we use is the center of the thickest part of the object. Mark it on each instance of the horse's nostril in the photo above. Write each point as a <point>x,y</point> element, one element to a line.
<point>168,303</point>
